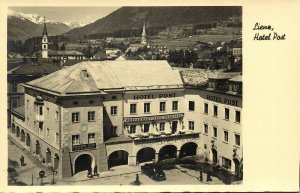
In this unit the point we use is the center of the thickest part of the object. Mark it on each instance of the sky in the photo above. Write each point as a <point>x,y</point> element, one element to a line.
<point>65,14</point>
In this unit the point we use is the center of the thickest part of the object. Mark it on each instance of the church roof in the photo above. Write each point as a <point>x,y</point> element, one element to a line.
<point>105,75</point>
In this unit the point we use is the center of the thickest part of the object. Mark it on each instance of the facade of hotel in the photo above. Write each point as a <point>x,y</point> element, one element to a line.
<point>109,113</point>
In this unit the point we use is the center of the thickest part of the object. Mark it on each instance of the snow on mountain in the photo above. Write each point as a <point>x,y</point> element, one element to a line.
<point>35,18</point>
<point>74,24</point>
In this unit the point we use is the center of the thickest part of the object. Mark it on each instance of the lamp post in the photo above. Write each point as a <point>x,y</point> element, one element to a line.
<point>53,172</point>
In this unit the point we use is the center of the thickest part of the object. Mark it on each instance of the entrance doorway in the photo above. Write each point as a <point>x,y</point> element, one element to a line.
<point>236,166</point>
<point>28,139</point>
<point>83,162</point>
<point>145,155</point>
<point>188,149</point>
<point>167,152</point>
<point>214,156</point>
<point>117,158</point>
<point>48,156</point>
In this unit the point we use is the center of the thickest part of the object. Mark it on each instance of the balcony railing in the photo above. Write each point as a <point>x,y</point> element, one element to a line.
<point>165,136</point>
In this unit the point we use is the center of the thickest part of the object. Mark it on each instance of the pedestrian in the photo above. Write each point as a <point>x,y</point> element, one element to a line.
<point>208,177</point>
<point>201,176</point>
<point>96,171</point>
<point>22,160</point>
<point>91,174</point>
<point>137,180</point>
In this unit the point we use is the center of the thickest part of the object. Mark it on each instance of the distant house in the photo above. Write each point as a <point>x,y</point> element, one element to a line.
<point>67,55</point>
<point>236,52</point>
<point>112,53</point>
<point>99,56</point>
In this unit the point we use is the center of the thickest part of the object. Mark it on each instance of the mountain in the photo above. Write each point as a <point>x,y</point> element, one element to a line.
<point>133,17</point>
<point>22,26</point>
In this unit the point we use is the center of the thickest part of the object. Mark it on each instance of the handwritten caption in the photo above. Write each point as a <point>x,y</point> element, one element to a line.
<point>266,33</point>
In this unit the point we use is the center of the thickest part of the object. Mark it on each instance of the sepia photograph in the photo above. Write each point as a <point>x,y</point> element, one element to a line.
<point>124,95</point>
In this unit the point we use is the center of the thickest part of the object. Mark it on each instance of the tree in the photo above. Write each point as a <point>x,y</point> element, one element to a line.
<point>63,47</point>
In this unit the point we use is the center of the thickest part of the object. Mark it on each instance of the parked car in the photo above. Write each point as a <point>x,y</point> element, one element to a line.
<point>154,172</point>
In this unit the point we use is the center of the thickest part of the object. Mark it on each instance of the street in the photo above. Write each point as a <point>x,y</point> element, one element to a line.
<point>120,175</point>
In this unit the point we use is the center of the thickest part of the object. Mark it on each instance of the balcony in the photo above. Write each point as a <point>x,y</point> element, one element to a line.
<point>84,146</point>
<point>162,136</point>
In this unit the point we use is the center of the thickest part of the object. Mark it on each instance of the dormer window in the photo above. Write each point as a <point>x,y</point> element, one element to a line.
<point>84,73</point>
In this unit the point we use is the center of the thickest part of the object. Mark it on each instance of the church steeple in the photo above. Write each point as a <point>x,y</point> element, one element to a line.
<point>45,41</point>
<point>45,28</point>
<point>143,39</point>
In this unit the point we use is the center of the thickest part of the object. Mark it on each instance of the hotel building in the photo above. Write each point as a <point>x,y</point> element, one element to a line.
<point>109,113</point>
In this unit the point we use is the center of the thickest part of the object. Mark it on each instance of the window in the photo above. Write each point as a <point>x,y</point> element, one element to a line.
<point>114,130</point>
<point>162,106</point>
<point>14,103</point>
<point>175,106</point>
<point>215,131</point>
<point>114,97</point>
<point>27,104</point>
<point>215,110</point>
<point>40,110</point>
<point>14,87</point>
<point>146,127</point>
<point>237,116</point>
<point>48,133</point>
<point>113,110</point>
<point>205,146</point>
<point>75,102</point>
<point>226,136</point>
<point>132,108</point>
<point>226,113</point>
<point>191,105</point>
<point>161,126</point>
<point>191,125</point>
<point>91,138</point>
<point>91,116</point>
<point>132,129</point>
<point>205,128</point>
<point>45,46</point>
<point>75,117</point>
<point>237,139</point>
<point>226,163</point>
<point>56,138</point>
<point>41,124</point>
<point>205,108</point>
<point>56,115</point>
<point>48,112</point>
<point>146,107</point>
<point>75,140</point>
<point>91,102</point>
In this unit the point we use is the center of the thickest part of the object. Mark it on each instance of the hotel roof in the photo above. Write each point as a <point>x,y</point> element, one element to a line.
<point>105,75</point>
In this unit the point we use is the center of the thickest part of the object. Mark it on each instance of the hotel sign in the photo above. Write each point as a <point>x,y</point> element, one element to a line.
<point>84,146</point>
<point>152,96</point>
<point>153,118</point>
<point>222,100</point>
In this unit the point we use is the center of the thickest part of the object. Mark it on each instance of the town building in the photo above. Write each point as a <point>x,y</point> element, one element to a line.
<point>143,38</point>
<point>133,47</point>
<point>216,110</point>
<point>237,52</point>
<point>62,55</point>
<point>108,113</point>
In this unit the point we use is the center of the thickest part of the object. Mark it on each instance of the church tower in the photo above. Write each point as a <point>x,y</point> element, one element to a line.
<point>143,39</point>
<point>45,41</point>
